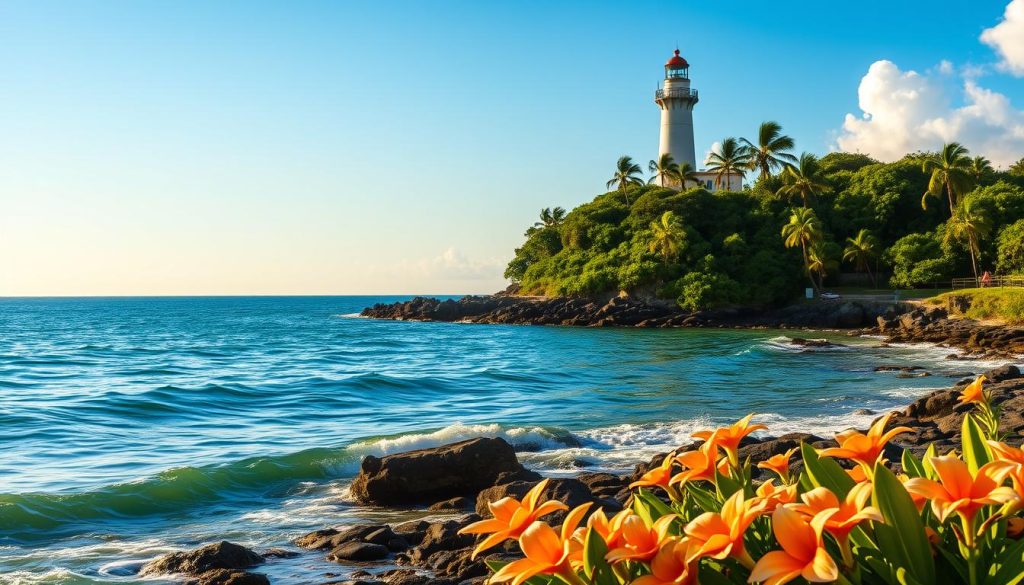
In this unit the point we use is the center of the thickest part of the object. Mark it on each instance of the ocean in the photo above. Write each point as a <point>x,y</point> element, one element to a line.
<point>131,427</point>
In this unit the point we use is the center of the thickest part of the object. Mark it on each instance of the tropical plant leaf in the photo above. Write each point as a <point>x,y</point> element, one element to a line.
<point>902,537</point>
<point>655,507</point>
<point>1010,565</point>
<point>825,472</point>
<point>975,449</point>
<point>912,466</point>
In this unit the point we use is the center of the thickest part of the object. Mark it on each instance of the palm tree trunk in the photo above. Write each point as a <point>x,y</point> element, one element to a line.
<point>974,264</point>
<point>807,266</point>
<point>871,275</point>
<point>949,194</point>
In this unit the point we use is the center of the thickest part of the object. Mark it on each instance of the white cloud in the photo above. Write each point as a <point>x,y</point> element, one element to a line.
<point>452,264</point>
<point>908,111</point>
<point>1007,38</point>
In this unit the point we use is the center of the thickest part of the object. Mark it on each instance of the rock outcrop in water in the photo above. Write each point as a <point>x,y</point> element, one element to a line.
<point>431,475</point>
<point>933,325</point>
<point>223,563</point>
<point>629,312</point>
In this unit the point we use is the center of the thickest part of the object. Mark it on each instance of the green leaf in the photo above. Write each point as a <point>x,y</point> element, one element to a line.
<point>976,450</point>
<point>704,498</point>
<point>595,567</point>
<point>1011,566</point>
<point>641,509</point>
<point>726,486</point>
<point>655,507</point>
<point>912,466</point>
<point>902,537</point>
<point>825,472</point>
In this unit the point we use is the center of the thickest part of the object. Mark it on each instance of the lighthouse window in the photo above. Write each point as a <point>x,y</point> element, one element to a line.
<point>708,183</point>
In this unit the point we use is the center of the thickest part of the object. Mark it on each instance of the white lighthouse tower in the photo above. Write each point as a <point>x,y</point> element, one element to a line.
<point>676,99</point>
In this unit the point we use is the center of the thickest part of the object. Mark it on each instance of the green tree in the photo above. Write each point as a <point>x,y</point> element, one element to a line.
<point>980,167</point>
<point>802,179</point>
<point>803,230</point>
<point>1017,168</point>
<point>667,236</point>
<point>664,169</point>
<point>627,173</point>
<point>1010,251</point>
<point>969,226</point>
<point>820,260</point>
<point>730,158</point>
<point>860,251</point>
<point>685,173</point>
<point>950,171</point>
<point>771,151</point>
<point>550,217</point>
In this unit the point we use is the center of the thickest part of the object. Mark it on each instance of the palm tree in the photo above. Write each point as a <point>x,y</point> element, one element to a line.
<point>663,168</point>
<point>730,158</point>
<point>687,173</point>
<point>950,170</point>
<point>550,217</point>
<point>770,152</point>
<point>804,230</point>
<point>667,236</point>
<point>968,225</point>
<point>980,166</point>
<point>802,179</point>
<point>626,173</point>
<point>820,261</point>
<point>860,251</point>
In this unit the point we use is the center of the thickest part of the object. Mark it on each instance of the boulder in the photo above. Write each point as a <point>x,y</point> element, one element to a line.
<point>1003,373</point>
<point>571,492</point>
<point>429,475</point>
<point>358,551</point>
<point>458,503</point>
<point>228,577</point>
<point>221,555</point>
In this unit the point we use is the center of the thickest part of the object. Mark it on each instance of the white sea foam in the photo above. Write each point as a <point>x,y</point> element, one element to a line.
<point>534,437</point>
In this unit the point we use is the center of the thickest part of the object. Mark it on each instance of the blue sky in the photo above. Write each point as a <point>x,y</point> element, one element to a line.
<point>403,147</point>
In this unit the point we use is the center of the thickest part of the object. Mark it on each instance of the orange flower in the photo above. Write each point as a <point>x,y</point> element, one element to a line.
<point>958,492</point>
<point>775,496</point>
<point>848,513</point>
<point>670,566</point>
<point>547,552</point>
<point>779,464</point>
<point>803,551</point>
<point>638,542</point>
<point>719,535</point>
<point>864,449</point>
<point>700,464</point>
<point>857,474</point>
<point>511,517</point>
<point>609,530</point>
<point>1004,452</point>
<point>973,392</point>
<point>728,438</point>
<point>660,476</point>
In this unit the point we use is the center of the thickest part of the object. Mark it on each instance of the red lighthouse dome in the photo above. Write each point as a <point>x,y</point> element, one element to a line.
<point>676,62</point>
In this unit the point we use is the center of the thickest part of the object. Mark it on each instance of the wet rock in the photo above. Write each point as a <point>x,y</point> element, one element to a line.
<point>429,475</point>
<point>279,553</point>
<point>813,343</point>
<point>331,538</point>
<point>1003,373</point>
<point>228,577</point>
<point>898,368</point>
<point>358,551</point>
<point>571,492</point>
<point>221,555</point>
<point>459,503</point>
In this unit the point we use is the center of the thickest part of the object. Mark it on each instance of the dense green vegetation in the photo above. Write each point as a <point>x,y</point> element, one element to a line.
<point>801,221</point>
<point>1006,304</point>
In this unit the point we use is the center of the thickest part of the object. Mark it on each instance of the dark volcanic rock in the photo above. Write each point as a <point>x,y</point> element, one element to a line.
<point>458,503</point>
<point>358,551</point>
<point>622,311</point>
<point>228,577</point>
<point>429,475</point>
<point>221,555</point>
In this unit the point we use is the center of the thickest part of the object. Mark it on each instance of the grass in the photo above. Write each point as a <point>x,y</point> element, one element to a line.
<point>1003,303</point>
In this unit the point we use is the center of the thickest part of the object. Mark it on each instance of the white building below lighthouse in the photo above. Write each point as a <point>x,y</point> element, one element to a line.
<point>676,99</point>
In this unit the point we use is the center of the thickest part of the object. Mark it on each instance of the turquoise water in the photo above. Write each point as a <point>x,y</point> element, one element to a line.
<point>132,427</point>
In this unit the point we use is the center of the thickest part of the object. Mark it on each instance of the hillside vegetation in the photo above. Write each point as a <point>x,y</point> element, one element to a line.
<point>788,230</point>
<point>1004,304</point>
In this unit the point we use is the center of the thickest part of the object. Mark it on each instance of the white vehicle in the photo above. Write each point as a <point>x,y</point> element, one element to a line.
<point>831,296</point>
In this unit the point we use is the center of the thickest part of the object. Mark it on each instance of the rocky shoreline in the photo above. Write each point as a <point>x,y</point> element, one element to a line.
<point>461,478</point>
<point>898,322</point>
<point>631,312</point>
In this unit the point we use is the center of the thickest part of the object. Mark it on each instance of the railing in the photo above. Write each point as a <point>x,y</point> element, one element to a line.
<point>675,93</point>
<point>993,281</point>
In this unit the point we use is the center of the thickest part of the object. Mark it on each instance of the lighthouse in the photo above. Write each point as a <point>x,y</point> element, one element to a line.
<point>676,100</point>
